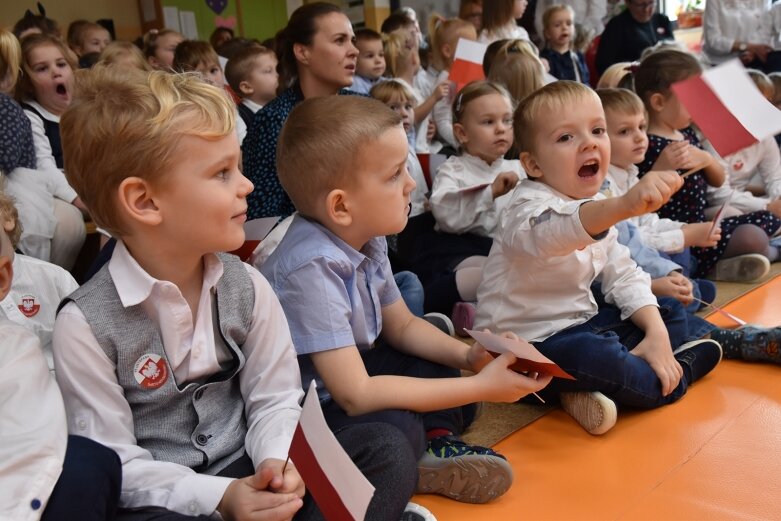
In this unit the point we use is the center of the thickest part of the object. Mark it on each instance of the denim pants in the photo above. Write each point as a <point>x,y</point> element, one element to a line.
<point>598,354</point>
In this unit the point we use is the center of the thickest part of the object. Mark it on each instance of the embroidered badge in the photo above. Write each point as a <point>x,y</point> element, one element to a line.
<point>150,371</point>
<point>737,165</point>
<point>29,307</point>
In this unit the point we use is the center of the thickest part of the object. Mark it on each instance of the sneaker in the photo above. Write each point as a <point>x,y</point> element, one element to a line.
<point>467,473</point>
<point>594,411</point>
<point>415,512</point>
<point>743,268</point>
<point>700,357</point>
<point>752,343</point>
<point>464,317</point>
<point>441,322</point>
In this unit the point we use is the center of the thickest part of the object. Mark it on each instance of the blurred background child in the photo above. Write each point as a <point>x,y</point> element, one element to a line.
<point>370,66</point>
<point>559,32</point>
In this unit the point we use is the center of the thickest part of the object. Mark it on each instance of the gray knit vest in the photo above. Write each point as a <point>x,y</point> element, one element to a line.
<point>201,426</point>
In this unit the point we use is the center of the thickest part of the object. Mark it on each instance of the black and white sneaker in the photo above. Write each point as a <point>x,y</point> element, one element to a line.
<point>698,358</point>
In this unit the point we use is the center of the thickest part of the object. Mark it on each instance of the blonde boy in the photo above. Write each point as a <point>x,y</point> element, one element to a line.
<point>348,179</point>
<point>252,74</point>
<point>175,356</point>
<point>555,239</point>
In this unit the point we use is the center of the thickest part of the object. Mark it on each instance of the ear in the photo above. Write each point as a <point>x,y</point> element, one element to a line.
<point>530,165</point>
<point>460,133</point>
<point>447,51</point>
<point>246,89</point>
<point>136,200</point>
<point>337,208</point>
<point>6,275</point>
<point>153,62</point>
<point>301,52</point>
<point>657,102</point>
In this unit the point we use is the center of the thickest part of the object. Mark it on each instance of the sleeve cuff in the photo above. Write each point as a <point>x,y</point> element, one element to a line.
<point>198,494</point>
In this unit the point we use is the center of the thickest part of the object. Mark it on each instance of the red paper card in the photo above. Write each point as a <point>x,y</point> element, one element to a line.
<point>529,359</point>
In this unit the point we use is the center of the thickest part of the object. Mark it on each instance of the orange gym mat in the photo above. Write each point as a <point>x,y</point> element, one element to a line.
<point>714,455</point>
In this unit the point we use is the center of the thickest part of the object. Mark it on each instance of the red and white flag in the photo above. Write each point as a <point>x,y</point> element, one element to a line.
<point>467,63</point>
<point>254,232</point>
<point>429,163</point>
<point>340,490</point>
<point>728,108</point>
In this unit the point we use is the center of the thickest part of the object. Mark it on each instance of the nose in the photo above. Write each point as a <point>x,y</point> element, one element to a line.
<point>590,143</point>
<point>409,184</point>
<point>353,50</point>
<point>245,186</point>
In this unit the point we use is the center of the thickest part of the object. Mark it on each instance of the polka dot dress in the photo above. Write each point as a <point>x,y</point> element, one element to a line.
<point>689,203</point>
<point>16,136</point>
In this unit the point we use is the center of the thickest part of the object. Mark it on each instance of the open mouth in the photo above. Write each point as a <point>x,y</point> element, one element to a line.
<point>61,89</point>
<point>589,169</point>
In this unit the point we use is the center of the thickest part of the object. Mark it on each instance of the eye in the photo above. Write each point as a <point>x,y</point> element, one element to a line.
<point>598,131</point>
<point>396,175</point>
<point>564,138</point>
<point>214,70</point>
<point>623,132</point>
<point>508,121</point>
<point>223,174</point>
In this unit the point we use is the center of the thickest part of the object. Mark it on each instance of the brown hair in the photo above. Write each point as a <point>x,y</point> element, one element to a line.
<point>659,70</point>
<point>621,100</point>
<point>240,66</point>
<point>364,34</point>
<point>473,91</point>
<point>74,33</point>
<point>116,50</point>
<point>8,212</point>
<point>36,21</point>
<point>497,13</point>
<point>775,77</point>
<point>542,103</point>
<point>25,89</point>
<point>152,39</point>
<point>387,90</point>
<point>191,53</point>
<point>517,67</point>
<point>446,31</point>
<point>301,28</point>
<point>127,123</point>
<point>80,33</point>
<point>315,151</point>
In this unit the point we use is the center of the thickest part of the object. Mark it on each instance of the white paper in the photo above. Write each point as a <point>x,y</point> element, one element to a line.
<point>188,24</point>
<point>148,12</point>
<point>257,229</point>
<point>171,18</point>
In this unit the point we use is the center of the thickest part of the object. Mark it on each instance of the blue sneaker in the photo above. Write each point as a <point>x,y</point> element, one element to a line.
<point>751,343</point>
<point>467,473</point>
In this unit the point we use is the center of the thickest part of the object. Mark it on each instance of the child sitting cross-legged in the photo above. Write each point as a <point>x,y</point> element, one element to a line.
<point>378,364</point>
<point>555,239</point>
<point>174,355</point>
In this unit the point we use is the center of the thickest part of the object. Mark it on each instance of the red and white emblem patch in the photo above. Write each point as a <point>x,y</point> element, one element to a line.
<point>150,371</point>
<point>29,307</point>
<point>737,165</point>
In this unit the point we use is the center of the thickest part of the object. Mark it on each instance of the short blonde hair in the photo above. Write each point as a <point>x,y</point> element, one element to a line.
<point>8,212</point>
<point>542,104</point>
<point>316,152</point>
<point>387,90</point>
<point>444,31</point>
<point>621,100</point>
<point>476,90</point>
<point>395,47</point>
<point>126,123</point>
<point>614,75</point>
<point>118,49</point>
<point>10,56</point>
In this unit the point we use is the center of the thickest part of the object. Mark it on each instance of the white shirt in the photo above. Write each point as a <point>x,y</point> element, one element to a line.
<point>537,278</point>
<point>457,206</point>
<point>44,160</point>
<point>37,289</point>
<point>254,107</point>
<point>728,21</point>
<point>241,127</point>
<point>661,234</point>
<point>418,200</point>
<point>588,13</point>
<point>443,113</point>
<point>511,31</point>
<point>270,381</point>
<point>761,159</point>
<point>33,432</point>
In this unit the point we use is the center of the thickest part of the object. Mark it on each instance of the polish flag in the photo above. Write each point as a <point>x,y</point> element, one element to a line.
<point>254,232</point>
<point>340,490</point>
<point>728,108</point>
<point>467,63</point>
<point>429,164</point>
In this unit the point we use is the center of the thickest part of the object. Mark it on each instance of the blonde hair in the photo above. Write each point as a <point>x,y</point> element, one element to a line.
<point>549,12</point>
<point>115,51</point>
<point>473,91</point>
<point>126,123</point>
<point>447,31</point>
<point>316,152</point>
<point>10,56</point>
<point>394,46</point>
<point>763,82</point>
<point>517,67</point>
<point>152,40</point>
<point>621,100</point>
<point>8,212</point>
<point>385,91</point>
<point>25,90</point>
<point>542,104</point>
<point>614,75</point>
<point>775,78</point>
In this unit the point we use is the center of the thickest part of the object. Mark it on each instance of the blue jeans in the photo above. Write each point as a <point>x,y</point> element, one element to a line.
<point>598,354</point>
<point>411,291</point>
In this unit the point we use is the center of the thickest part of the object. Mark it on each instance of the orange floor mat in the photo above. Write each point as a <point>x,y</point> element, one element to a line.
<point>714,455</point>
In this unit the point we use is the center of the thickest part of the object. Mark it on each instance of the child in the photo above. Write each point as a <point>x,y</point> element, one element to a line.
<point>444,40</point>
<point>199,56</point>
<point>499,21</point>
<point>371,60</point>
<point>37,289</point>
<point>177,358</point>
<point>124,54</point>
<point>743,253</point>
<point>618,75</point>
<point>89,38</point>
<point>355,190</point>
<point>555,239</point>
<point>590,13</point>
<point>625,116</point>
<point>159,47</point>
<point>46,474</point>
<point>252,74</point>
<point>564,62</point>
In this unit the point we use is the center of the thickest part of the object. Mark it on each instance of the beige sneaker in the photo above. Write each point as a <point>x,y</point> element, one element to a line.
<point>595,412</point>
<point>743,268</point>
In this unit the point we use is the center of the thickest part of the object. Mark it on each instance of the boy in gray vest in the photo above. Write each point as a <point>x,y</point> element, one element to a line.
<point>378,364</point>
<point>174,355</point>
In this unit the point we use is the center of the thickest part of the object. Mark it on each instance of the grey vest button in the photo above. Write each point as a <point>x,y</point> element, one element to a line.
<point>201,439</point>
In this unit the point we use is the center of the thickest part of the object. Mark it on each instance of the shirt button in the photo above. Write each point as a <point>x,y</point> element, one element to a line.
<point>201,439</point>
<point>35,504</point>
<point>82,424</point>
<point>198,394</point>
<point>192,507</point>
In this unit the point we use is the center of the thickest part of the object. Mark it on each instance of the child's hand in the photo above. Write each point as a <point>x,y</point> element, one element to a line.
<point>502,384</point>
<point>696,234</point>
<point>290,482</point>
<point>249,498</point>
<point>503,183</point>
<point>655,349</point>
<point>674,285</point>
<point>431,130</point>
<point>674,156</point>
<point>653,190</point>
<point>441,91</point>
<point>698,158</point>
<point>477,357</point>
<point>774,207</point>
